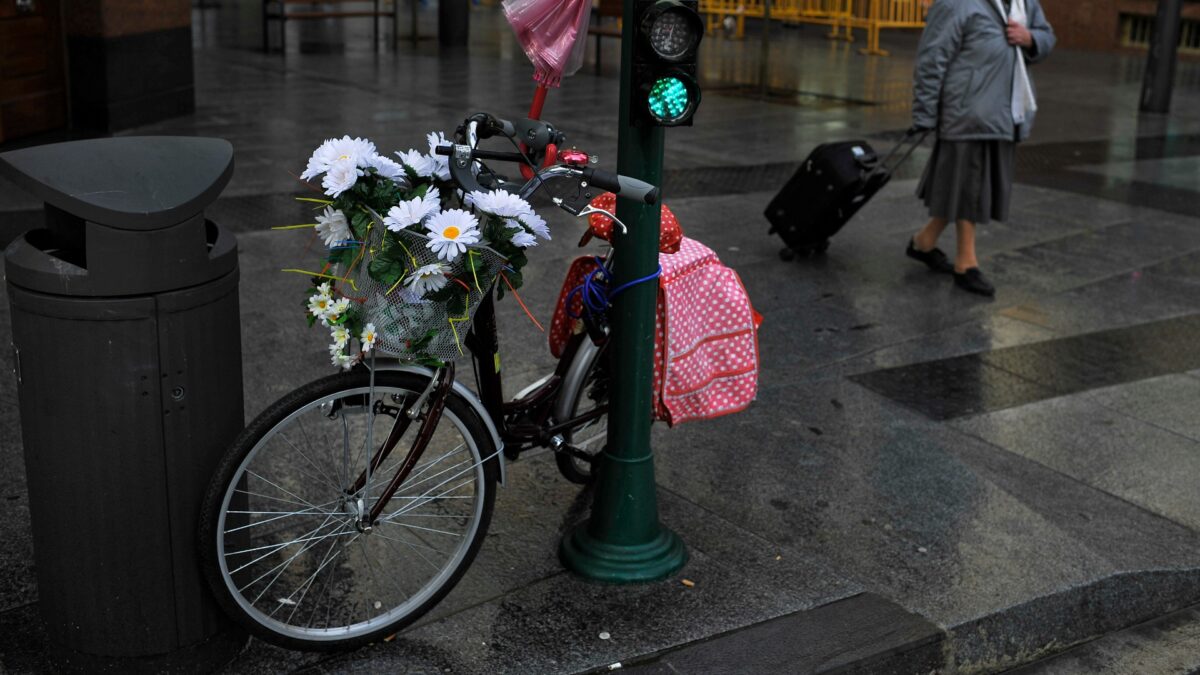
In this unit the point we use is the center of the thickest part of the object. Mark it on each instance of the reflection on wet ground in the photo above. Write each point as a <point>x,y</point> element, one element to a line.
<point>1020,473</point>
<point>1015,376</point>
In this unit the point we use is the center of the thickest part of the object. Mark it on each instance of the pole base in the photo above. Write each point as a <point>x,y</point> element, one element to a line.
<point>621,564</point>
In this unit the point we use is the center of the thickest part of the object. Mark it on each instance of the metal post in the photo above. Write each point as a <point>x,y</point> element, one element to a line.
<point>764,56</point>
<point>623,541</point>
<point>1160,66</point>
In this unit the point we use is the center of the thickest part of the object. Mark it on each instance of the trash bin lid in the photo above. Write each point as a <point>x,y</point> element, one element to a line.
<point>130,182</point>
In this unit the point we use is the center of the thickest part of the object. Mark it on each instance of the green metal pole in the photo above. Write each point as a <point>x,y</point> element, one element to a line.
<point>623,541</point>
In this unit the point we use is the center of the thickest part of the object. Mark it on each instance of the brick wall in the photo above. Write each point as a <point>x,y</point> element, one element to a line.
<point>1095,24</point>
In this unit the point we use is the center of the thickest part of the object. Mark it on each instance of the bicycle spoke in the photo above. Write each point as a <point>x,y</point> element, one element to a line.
<point>324,477</point>
<point>308,582</point>
<point>279,515</point>
<point>283,566</point>
<point>303,501</point>
<point>278,499</point>
<point>424,529</point>
<point>278,547</point>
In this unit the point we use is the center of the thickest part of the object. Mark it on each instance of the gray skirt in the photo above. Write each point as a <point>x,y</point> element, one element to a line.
<point>968,180</point>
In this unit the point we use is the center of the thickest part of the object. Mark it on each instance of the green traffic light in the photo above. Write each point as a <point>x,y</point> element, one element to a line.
<point>669,99</point>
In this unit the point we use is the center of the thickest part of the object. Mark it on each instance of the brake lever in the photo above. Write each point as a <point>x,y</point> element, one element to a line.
<point>587,210</point>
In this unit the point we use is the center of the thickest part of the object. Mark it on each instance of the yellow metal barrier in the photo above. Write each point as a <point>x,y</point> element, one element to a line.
<point>876,15</point>
<point>842,15</point>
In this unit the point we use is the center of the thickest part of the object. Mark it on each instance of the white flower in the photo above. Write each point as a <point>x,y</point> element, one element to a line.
<point>451,231</point>
<point>409,296</point>
<point>341,177</point>
<point>340,337</point>
<point>524,239</point>
<point>420,164</point>
<point>532,221</point>
<point>356,151</point>
<point>335,311</point>
<point>410,212</point>
<point>325,289</point>
<point>368,337</point>
<point>536,223</point>
<point>499,203</point>
<point>343,361</point>
<point>426,278</point>
<point>441,163</point>
<point>319,305</point>
<point>387,168</point>
<point>332,227</point>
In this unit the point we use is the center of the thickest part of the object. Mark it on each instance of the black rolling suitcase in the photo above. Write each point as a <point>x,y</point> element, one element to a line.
<point>828,188</point>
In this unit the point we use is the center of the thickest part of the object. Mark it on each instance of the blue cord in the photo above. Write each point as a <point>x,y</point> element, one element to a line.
<point>594,293</point>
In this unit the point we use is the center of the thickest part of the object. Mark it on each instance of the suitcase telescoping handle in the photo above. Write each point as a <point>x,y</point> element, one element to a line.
<point>910,141</point>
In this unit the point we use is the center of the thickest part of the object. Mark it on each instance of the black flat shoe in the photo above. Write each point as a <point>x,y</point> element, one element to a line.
<point>973,281</point>
<point>934,259</point>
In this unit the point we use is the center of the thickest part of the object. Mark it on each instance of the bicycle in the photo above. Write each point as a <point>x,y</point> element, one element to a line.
<point>309,545</point>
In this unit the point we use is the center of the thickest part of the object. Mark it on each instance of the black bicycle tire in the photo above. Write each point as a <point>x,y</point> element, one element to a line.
<point>564,460</point>
<point>264,423</point>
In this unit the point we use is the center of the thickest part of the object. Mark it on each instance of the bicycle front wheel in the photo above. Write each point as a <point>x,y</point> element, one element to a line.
<point>281,531</point>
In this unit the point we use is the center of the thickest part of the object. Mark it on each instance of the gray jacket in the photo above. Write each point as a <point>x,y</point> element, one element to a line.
<point>962,83</point>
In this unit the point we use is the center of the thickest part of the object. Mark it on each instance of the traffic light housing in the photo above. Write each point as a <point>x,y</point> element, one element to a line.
<point>665,88</point>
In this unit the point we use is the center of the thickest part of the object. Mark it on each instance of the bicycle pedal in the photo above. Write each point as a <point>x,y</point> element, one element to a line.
<point>575,452</point>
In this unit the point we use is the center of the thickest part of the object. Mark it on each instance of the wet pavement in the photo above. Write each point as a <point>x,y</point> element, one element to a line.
<point>1006,478</point>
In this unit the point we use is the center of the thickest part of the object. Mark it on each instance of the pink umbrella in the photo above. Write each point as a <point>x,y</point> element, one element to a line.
<point>549,32</point>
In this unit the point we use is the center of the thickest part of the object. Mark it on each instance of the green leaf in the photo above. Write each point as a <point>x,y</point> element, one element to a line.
<point>385,269</point>
<point>457,304</point>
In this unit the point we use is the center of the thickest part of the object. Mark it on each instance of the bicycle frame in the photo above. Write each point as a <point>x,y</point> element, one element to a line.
<point>535,407</point>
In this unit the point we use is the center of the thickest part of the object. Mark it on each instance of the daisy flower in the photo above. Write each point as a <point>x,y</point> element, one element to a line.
<point>319,305</point>
<point>368,337</point>
<point>499,203</point>
<point>343,361</point>
<point>418,163</point>
<point>426,278</point>
<point>335,311</point>
<point>524,239</point>
<point>325,288</point>
<point>332,227</point>
<point>340,337</point>
<point>340,177</point>
<point>536,223</point>
<point>410,212</point>
<point>335,150</point>
<point>387,168</point>
<point>441,163</point>
<point>451,231</point>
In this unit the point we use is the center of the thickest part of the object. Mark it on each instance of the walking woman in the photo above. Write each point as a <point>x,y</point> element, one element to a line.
<point>971,85</point>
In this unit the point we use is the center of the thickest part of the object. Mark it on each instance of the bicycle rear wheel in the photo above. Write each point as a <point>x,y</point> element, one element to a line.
<point>585,388</point>
<point>280,538</point>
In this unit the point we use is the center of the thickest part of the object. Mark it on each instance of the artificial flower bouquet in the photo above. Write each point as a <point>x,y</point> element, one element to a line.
<point>408,256</point>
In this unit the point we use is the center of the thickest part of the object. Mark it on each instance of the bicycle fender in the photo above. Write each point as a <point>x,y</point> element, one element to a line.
<point>468,395</point>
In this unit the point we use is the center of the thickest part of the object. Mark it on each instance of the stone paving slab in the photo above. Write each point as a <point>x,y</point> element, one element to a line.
<point>1168,645</point>
<point>1139,462</point>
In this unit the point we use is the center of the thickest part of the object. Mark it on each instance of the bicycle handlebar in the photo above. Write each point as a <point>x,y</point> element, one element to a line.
<point>622,186</point>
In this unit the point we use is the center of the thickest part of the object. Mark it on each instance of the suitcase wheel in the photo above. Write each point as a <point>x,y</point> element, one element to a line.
<point>813,250</point>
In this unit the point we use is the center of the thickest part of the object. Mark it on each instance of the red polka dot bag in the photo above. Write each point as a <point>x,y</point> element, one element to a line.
<point>706,341</point>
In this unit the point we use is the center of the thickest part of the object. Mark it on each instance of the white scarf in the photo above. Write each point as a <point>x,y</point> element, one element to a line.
<point>1023,101</point>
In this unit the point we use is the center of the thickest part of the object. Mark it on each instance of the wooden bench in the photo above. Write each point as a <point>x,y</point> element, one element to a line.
<point>282,14</point>
<point>605,9</point>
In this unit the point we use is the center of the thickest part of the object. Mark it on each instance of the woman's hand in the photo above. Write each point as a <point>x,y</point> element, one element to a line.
<point>1018,35</point>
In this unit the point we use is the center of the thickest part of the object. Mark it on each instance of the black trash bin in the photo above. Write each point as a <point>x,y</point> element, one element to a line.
<point>128,358</point>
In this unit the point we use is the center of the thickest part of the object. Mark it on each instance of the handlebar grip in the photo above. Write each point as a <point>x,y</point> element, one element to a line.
<point>623,186</point>
<point>444,150</point>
